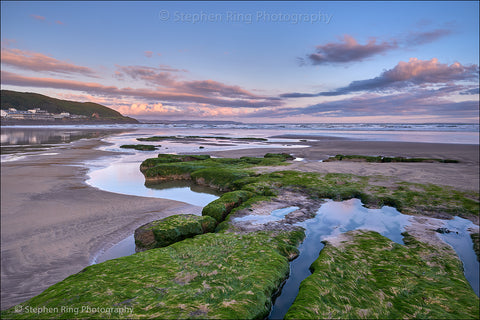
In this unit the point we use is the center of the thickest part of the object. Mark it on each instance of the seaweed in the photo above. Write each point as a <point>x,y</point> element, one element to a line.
<point>140,147</point>
<point>369,276</point>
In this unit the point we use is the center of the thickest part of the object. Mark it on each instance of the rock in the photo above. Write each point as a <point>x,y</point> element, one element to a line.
<point>442,230</point>
<point>164,232</point>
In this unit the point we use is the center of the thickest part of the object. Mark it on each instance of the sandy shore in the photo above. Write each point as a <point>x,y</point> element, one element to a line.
<point>53,223</point>
<point>462,176</point>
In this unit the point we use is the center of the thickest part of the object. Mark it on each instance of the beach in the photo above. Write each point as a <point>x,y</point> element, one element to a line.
<point>463,175</point>
<point>53,223</point>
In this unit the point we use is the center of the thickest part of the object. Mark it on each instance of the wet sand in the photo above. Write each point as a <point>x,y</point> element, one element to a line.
<point>52,223</point>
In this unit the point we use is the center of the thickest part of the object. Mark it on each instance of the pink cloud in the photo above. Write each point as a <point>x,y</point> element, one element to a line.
<point>158,109</point>
<point>349,50</point>
<point>59,22</point>
<point>404,75</point>
<point>37,17</point>
<point>8,42</point>
<point>210,88</point>
<point>418,102</point>
<point>148,54</point>
<point>146,94</point>
<point>150,75</point>
<point>430,71</point>
<point>39,62</point>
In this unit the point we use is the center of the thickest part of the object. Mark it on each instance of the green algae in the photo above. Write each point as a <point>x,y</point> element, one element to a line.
<point>157,138</point>
<point>476,244</point>
<point>408,198</point>
<point>160,138</point>
<point>164,232</point>
<point>210,276</point>
<point>140,147</point>
<point>220,208</point>
<point>382,159</point>
<point>228,275</point>
<point>371,277</point>
<point>231,174</point>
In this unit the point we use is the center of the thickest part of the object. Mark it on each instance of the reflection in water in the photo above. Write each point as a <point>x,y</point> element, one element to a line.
<point>276,215</point>
<point>334,218</point>
<point>460,240</point>
<point>124,248</point>
<point>126,178</point>
<point>14,140</point>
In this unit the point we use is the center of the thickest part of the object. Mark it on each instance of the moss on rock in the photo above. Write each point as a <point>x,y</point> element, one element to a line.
<point>382,159</point>
<point>476,244</point>
<point>140,147</point>
<point>369,276</point>
<point>164,232</point>
<point>210,276</point>
<point>220,208</point>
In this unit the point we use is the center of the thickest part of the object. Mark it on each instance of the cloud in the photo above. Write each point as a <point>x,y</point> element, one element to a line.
<point>348,50</point>
<point>421,102</point>
<point>148,109</point>
<point>404,74</point>
<point>152,76</point>
<point>215,88</point>
<point>37,17</point>
<point>166,67</point>
<point>148,54</point>
<point>8,42</point>
<point>419,38</point>
<point>208,88</point>
<point>146,94</point>
<point>43,19</point>
<point>471,91</point>
<point>35,61</point>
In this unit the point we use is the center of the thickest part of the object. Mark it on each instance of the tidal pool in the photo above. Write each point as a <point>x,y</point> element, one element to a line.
<point>460,240</point>
<point>123,248</point>
<point>276,215</point>
<point>334,218</point>
<point>126,178</point>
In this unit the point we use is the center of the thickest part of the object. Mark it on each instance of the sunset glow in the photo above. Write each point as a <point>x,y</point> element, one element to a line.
<point>250,62</point>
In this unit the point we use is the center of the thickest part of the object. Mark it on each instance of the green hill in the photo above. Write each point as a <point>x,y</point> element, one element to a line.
<point>27,100</point>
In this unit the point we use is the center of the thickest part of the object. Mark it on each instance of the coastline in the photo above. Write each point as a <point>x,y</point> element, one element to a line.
<point>53,223</point>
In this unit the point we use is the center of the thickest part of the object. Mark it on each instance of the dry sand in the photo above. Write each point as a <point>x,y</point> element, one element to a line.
<point>52,223</point>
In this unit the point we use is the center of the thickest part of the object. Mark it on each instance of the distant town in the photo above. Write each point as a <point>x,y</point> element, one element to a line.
<point>39,114</point>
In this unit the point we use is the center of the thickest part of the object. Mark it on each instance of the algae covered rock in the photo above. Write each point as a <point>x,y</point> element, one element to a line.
<point>210,276</point>
<point>364,275</point>
<point>164,232</point>
<point>220,208</point>
<point>140,147</point>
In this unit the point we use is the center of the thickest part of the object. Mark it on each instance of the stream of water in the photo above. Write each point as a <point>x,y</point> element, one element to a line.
<point>334,218</point>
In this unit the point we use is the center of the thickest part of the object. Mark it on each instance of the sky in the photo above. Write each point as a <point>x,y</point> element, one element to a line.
<point>256,62</point>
